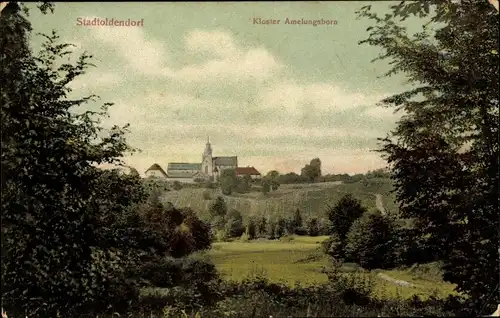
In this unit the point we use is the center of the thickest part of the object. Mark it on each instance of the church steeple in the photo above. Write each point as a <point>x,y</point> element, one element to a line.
<point>208,148</point>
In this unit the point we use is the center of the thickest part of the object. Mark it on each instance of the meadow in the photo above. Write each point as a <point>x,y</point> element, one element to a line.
<point>298,259</point>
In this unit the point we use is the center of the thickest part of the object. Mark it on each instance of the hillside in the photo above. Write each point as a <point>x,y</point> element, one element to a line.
<point>311,199</point>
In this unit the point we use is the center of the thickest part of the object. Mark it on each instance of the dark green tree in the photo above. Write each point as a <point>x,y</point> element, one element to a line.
<point>266,187</point>
<point>313,227</point>
<point>312,171</point>
<point>444,152</point>
<point>234,224</point>
<point>228,181</point>
<point>251,228</point>
<point>60,251</point>
<point>369,242</point>
<point>297,218</point>
<point>341,216</point>
<point>218,208</point>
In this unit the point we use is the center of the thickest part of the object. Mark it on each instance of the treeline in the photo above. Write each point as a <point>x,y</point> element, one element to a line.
<point>229,224</point>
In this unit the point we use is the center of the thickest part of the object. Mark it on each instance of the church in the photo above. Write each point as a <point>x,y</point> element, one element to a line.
<point>209,168</point>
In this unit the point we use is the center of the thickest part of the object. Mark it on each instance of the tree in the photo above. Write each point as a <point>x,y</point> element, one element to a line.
<point>266,187</point>
<point>243,184</point>
<point>57,217</point>
<point>313,226</point>
<point>234,224</point>
<point>369,242</point>
<point>444,151</point>
<point>343,214</point>
<point>262,226</point>
<point>177,185</point>
<point>280,227</point>
<point>272,178</point>
<point>297,217</point>
<point>218,208</point>
<point>312,171</point>
<point>251,228</point>
<point>228,181</point>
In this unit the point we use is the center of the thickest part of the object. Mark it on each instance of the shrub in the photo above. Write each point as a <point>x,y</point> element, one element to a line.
<point>206,195</point>
<point>244,237</point>
<point>369,242</point>
<point>334,247</point>
<point>177,185</point>
<point>251,228</point>
<point>343,214</point>
<point>313,227</point>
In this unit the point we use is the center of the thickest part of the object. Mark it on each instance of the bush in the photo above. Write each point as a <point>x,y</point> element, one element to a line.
<point>177,185</point>
<point>313,227</point>
<point>206,195</point>
<point>369,242</point>
<point>251,229</point>
<point>220,236</point>
<point>343,214</point>
<point>334,247</point>
<point>244,237</point>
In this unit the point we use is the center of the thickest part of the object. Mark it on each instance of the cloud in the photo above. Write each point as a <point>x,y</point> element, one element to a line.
<point>91,81</point>
<point>297,98</point>
<point>145,55</point>
<point>226,60</point>
<point>216,43</point>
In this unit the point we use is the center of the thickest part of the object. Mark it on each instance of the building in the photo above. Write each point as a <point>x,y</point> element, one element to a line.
<point>248,171</point>
<point>156,171</point>
<point>183,172</point>
<point>210,167</point>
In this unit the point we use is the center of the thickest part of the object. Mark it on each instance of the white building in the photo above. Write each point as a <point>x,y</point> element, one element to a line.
<point>210,167</point>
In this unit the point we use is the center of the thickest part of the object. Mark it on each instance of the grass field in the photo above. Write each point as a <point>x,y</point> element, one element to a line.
<point>311,199</point>
<point>300,260</point>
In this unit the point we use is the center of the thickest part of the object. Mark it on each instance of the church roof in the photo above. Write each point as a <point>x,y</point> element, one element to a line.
<point>225,161</point>
<point>157,167</point>
<point>183,166</point>
<point>247,171</point>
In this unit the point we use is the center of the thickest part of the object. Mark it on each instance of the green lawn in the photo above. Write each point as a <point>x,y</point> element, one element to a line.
<point>300,260</point>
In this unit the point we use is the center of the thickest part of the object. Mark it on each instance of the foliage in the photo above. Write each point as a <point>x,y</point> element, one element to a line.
<point>58,218</point>
<point>266,187</point>
<point>312,227</point>
<point>343,214</point>
<point>444,152</point>
<point>177,185</point>
<point>206,195</point>
<point>228,181</point>
<point>312,171</point>
<point>243,184</point>
<point>369,242</point>
<point>234,224</point>
<point>251,228</point>
<point>272,180</point>
<point>334,247</point>
<point>218,208</point>
<point>297,218</point>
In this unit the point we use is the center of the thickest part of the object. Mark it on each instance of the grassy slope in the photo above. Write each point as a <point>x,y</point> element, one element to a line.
<point>300,261</point>
<point>311,199</point>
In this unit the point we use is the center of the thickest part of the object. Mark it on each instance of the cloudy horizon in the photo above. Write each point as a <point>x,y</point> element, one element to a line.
<point>276,96</point>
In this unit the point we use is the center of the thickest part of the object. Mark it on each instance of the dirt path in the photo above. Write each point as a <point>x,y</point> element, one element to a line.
<point>395,281</point>
<point>379,203</point>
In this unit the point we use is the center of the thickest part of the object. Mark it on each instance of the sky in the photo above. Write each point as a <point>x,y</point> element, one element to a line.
<point>276,96</point>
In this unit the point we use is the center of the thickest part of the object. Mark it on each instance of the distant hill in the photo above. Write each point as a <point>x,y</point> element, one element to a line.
<point>311,199</point>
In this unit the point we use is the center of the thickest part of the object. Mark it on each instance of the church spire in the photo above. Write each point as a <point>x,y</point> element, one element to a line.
<point>208,148</point>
